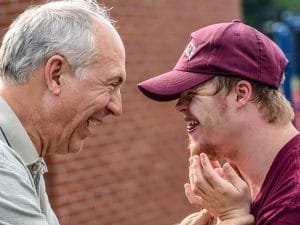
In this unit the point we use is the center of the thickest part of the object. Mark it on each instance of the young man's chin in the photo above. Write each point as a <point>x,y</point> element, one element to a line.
<point>197,148</point>
<point>193,148</point>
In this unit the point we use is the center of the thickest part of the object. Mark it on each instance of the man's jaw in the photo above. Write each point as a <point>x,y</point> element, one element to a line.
<point>196,149</point>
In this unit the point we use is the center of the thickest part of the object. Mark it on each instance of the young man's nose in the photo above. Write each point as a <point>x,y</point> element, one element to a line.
<point>181,105</point>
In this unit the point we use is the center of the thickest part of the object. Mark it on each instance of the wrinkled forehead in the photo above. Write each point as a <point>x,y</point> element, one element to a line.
<point>107,40</point>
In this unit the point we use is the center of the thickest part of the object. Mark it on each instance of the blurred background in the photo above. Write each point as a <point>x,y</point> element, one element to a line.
<point>133,168</point>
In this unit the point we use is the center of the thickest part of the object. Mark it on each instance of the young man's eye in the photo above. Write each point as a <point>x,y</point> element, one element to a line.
<point>191,93</point>
<point>187,96</point>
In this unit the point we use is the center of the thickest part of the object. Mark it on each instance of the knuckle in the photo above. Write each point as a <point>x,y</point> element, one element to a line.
<point>196,203</point>
<point>198,183</point>
<point>193,202</point>
<point>194,188</point>
<point>222,191</point>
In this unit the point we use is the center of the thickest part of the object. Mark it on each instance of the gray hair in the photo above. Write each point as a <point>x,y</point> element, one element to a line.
<point>59,27</point>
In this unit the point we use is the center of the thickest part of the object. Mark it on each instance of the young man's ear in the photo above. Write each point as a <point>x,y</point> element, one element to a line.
<point>243,92</point>
<point>55,66</point>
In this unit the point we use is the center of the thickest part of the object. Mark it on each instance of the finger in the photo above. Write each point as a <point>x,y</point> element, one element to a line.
<point>190,217</point>
<point>212,177</point>
<point>191,175</point>
<point>192,198</point>
<point>220,172</point>
<point>233,177</point>
<point>217,167</point>
<point>215,164</point>
<point>198,183</point>
<point>203,218</point>
<point>200,218</point>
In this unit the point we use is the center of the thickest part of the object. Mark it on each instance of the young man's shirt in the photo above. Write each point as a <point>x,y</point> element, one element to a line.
<point>278,202</point>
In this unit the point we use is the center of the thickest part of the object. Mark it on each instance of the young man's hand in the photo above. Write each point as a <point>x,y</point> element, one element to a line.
<point>219,190</point>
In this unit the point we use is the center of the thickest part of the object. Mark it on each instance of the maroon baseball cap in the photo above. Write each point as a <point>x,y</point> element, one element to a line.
<point>224,49</point>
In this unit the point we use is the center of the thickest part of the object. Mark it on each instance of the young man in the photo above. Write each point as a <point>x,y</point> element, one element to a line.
<point>227,84</point>
<point>62,65</point>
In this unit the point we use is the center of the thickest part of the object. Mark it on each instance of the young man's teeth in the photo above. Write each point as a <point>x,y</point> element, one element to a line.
<point>193,123</point>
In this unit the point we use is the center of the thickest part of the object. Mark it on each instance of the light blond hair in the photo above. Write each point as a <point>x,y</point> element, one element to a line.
<point>272,104</point>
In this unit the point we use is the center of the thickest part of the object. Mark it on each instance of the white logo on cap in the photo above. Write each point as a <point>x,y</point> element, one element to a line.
<point>190,50</point>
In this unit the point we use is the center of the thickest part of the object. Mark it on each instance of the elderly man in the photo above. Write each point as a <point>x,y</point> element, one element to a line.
<point>62,65</point>
<point>227,84</point>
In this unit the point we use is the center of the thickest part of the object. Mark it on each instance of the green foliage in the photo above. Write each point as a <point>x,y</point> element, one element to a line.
<point>257,12</point>
<point>291,5</point>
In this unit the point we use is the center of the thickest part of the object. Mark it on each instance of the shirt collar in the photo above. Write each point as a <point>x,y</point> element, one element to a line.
<point>16,134</point>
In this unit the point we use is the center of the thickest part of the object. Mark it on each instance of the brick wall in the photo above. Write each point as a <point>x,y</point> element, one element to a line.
<point>133,168</point>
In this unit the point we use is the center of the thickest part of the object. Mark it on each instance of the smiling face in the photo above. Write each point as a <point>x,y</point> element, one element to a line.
<point>79,103</point>
<point>206,116</point>
<point>98,93</point>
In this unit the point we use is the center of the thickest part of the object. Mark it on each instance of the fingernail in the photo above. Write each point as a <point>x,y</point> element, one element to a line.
<point>227,166</point>
<point>203,156</point>
<point>203,159</point>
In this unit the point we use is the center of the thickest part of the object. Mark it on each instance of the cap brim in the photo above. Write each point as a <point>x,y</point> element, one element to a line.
<point>168,86</point>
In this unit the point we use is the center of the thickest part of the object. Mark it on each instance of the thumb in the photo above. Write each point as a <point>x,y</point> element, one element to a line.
<point>203,218</point>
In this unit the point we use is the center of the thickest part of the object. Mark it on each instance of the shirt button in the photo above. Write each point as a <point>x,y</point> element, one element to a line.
<point>34,167</point>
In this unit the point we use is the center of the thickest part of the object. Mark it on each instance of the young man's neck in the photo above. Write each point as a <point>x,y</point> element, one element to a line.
<point>258,152</point>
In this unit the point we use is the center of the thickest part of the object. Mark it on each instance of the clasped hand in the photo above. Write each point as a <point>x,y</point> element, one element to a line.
<point>218,190</point>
